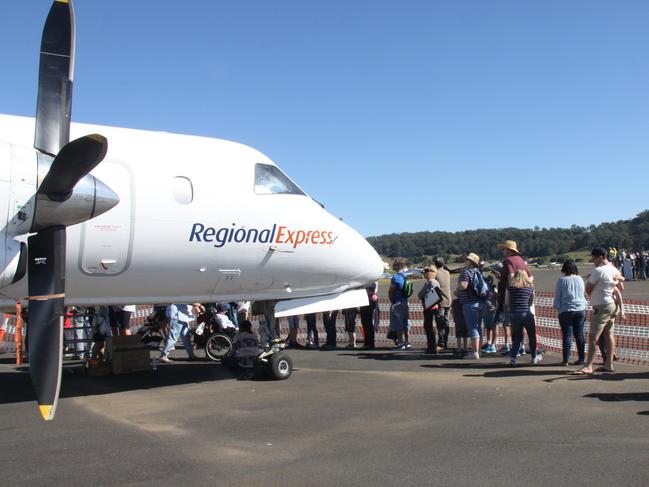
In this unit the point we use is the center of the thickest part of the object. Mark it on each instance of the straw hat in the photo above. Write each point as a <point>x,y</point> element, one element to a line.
<point>509,244</point>
<point>473,257</point>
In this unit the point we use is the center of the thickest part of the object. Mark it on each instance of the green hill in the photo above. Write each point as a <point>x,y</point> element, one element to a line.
<point>421,247</point>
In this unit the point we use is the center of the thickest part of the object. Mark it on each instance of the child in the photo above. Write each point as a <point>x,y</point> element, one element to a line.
<point>246,348</point>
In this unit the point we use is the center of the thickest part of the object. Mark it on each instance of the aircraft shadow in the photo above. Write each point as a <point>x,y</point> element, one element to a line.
<point>16,385</point>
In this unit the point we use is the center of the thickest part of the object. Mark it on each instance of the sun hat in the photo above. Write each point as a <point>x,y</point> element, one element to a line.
<point>473,257</point>
<point>509,244</point>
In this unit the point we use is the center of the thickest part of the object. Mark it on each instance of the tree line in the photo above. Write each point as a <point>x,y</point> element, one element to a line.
<point>421,247</point>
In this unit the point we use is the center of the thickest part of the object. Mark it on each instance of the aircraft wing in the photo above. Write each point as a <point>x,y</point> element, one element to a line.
<point>316,304</point>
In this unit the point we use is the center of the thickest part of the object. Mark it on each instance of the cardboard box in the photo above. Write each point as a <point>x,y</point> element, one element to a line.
<point>127,354</point>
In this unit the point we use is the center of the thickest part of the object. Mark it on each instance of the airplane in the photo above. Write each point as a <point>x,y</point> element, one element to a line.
<point>130,216</point>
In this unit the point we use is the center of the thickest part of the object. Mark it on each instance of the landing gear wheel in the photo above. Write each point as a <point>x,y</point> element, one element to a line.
<point>218,347</point>
<point>281,366</point>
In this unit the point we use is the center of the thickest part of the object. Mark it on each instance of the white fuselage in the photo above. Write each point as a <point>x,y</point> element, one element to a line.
<point>194,223</point>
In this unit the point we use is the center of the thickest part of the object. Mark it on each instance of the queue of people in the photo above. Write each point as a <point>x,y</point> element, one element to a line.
<point>485,300</point>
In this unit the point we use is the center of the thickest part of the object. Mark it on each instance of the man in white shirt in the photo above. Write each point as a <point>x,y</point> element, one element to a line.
<point>600,289</point>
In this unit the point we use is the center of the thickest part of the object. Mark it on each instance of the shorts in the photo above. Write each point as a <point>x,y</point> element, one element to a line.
<point>488,321</point>
<point>602,316</point>
<point>473,318</point>
<point>119,318</point>
<point>399,316</point>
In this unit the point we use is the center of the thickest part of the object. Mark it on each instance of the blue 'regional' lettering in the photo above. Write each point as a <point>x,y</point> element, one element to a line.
<point>240,235</point>
<point>221,237</point>
<point>197,228</point>
<point>208,234</point>
<point>250,233</point>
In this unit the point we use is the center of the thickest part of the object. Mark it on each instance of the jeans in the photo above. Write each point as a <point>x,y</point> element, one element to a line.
<point>367,320</point>
<point>429,328</point>
<point>518,322</point>
<point>443,326</point>
<point>572,324</point>
<point>176,329</point>
<point>311,329</point>
<point>329,320</point>
<point>473,317</point>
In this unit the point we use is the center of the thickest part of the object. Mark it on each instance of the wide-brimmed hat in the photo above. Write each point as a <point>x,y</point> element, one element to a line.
<point>473,257</point>
<point>509,244</point>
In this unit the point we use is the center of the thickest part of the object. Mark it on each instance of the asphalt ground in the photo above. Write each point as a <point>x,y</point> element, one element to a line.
<point>345,417</point>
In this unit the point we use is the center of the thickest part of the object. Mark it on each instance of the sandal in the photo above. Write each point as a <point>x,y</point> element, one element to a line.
<point>582,371</point>
<point>604,369</point>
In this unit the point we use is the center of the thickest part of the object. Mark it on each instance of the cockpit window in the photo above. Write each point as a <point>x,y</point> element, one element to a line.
<point>270,179</point>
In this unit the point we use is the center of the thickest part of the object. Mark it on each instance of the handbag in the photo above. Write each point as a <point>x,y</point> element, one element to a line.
<point>431,298</point>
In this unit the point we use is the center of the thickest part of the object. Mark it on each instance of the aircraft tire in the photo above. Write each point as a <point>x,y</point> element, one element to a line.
<point>281,366</point>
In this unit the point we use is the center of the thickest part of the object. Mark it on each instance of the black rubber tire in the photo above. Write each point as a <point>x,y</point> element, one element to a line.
<point>218,346</point>
<point>281,366</point>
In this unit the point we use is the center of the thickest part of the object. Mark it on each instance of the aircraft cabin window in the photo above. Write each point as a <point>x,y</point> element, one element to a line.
<point>270,179</point>
<point>182,190</point>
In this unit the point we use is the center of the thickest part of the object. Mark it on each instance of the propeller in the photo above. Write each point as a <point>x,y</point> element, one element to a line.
<point>66,195</point>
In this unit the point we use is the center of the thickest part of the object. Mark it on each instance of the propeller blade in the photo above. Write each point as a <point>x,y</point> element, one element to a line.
<point>46,283</point>
<point>55,79</point>
<point>73,162</point>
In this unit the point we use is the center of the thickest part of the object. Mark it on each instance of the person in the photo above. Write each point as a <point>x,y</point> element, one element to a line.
<point>472,304</point>
<point>223,318</point>
<point>179,316</point>
<point>441,318</point>
<point>311,331</point>
<point>461,335</point>
<point>600,287</point>
<point>433,289</point>
<point>399,305</point>
<point>521,299</point>
<point>570,302</point>
<point>489,318</point>
<point>246,348</point>
<point>367,316</point>
<point>267,323</point>
<point>329,321</point>
<point>120,319</point>
<point>350,326</point>
<point>512,262</point>
<point>293,327</point>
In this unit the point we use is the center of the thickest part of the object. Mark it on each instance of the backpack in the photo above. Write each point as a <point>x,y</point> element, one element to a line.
<point>407,288</point>
<point>479,285</point>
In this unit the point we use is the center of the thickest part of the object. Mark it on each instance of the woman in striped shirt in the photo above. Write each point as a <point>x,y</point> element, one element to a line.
<point>521,298</point>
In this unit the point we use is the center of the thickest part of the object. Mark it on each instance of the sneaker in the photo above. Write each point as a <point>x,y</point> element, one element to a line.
<point>165,360</point>
<point>398,345</point>
<point>504,350</point>
<point>485,347</point>
<point>521,351</point>
<point>407,345</point>
<point>491,348</point>
<point>537,359</point>
<point>512,362</point>
<point>476,355</point>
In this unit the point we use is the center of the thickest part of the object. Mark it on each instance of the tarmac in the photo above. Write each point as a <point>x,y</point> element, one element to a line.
<point>344,417</point>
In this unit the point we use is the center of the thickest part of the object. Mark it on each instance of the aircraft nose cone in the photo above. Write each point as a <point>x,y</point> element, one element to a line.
<point>105,198</point>
<point>369,264</point>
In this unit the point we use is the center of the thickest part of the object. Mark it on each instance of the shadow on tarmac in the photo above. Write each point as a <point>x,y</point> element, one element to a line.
<point>16,385</point>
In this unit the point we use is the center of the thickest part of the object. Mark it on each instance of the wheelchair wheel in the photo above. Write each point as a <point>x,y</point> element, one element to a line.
<point>218,346</point>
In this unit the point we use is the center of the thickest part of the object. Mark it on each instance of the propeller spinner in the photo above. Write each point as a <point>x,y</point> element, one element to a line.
<point>67,194</point>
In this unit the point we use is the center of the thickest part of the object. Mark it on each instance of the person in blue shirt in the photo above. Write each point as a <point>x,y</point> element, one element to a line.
<point>399,305</point>
<point>569,300</point>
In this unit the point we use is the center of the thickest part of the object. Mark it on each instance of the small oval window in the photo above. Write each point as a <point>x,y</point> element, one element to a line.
<point>182,190</point>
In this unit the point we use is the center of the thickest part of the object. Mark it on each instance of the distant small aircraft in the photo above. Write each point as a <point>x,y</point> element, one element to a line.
<point>164,218</point>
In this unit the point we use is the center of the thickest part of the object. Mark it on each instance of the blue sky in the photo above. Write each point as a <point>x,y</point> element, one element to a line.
<point>384,111</point>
